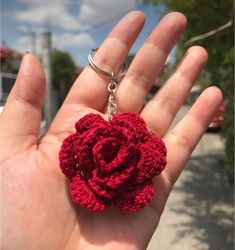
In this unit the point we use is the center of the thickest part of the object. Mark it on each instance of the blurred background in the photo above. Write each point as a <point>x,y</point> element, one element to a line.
<point>200,211</point>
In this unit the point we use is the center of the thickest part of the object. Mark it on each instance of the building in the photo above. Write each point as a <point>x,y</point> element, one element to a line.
<point>10,63</point>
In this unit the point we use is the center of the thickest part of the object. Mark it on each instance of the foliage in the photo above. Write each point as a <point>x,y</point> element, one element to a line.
<point>204,16</point>
<point>63,72</point>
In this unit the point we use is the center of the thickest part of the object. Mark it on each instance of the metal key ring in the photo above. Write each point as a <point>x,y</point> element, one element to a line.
<point>112,75</point>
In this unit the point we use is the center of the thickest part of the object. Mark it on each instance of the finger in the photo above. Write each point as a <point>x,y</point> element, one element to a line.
<point>149,62</point>
<point>161,110</point>
<point>20,120</point>
<point>182,140</point>
<point>91,87</point>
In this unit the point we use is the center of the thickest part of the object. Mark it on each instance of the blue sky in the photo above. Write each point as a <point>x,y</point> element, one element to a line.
<point>76,25</point>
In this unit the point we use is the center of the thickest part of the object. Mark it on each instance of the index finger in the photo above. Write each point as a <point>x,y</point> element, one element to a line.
<point>91,87</point>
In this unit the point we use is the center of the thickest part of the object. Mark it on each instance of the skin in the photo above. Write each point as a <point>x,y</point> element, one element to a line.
<point>37,212</point>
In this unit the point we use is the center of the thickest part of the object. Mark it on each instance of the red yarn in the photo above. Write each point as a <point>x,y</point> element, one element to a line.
<point>112,163</point>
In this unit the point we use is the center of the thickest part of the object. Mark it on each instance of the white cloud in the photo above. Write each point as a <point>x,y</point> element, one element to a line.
<point>23,44</point>
<point>26,43</point>
<point>98,11</point>
<point>67,40</point>
<point>57,12</point>
<point>52,12</point>
<point>62,41</point>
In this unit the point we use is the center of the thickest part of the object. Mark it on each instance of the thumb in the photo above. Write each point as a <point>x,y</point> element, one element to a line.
<point>21,116</point>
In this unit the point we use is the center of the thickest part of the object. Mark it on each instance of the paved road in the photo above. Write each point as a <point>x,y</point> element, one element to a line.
<point>199,212</point>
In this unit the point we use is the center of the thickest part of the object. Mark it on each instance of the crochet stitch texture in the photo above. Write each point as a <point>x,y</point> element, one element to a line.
<point>112,163</point>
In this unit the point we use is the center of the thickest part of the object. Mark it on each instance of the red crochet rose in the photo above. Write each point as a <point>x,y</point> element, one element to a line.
<point>112,163</point>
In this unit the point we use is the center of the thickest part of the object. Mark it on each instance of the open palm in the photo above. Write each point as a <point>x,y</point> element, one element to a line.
<point>37,209</point>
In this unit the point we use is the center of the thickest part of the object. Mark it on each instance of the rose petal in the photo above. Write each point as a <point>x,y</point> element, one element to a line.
<point>111,154</point>
<point>115,180</point>
<point>84,197</point>
<point>133,122</point>
<point>67,155</point>
<point>88,122</point>
<point>152,160</point>
<point>124,135</point>
<point>100,190</point>
<point>136,198</point>
<point>87,141</point>
<point>88,149</point>
<point>105,152</point>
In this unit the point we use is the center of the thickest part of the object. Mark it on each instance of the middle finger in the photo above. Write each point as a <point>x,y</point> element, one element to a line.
<point>149,62</point>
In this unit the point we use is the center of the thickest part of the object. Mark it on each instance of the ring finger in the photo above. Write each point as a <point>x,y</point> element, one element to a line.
<point>161,110</point>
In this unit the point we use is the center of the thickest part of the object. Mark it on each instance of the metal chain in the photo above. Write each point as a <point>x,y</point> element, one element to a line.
<point>112,107</point>
<point>112,87</point>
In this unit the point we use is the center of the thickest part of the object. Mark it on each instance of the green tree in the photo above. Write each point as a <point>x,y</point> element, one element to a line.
<point>211,25</point>
<point>63,72</point>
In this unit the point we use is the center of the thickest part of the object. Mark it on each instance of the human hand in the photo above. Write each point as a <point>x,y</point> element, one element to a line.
<point>37,209</point>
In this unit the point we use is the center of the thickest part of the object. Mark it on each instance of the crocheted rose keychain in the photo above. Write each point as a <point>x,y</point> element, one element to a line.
<point>112,163</point>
